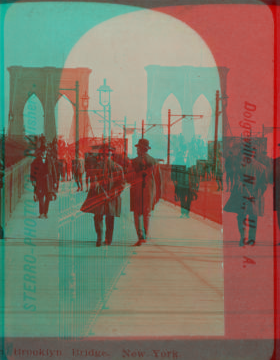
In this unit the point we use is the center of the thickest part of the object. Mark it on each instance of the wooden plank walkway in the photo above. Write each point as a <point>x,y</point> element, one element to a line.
<point>172,285</point>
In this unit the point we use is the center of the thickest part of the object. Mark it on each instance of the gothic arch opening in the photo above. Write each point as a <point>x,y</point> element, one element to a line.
<point>64,114</point>
<point>33,116</point>
<point>202,126</point>
<point>172,103</point>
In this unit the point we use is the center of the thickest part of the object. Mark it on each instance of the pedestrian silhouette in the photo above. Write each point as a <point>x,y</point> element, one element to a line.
<point>145,191</point>
<point>246,198</point>
<point>44,179</point>
<point>106,185</point>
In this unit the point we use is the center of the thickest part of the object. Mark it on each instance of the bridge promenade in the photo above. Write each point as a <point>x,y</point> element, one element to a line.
<point>57,283</point>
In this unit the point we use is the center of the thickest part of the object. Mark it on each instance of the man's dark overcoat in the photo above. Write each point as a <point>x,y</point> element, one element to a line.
<point>102,183</point>
<point>145,179</point>
<point>253,188</point>
<point>44,175</point>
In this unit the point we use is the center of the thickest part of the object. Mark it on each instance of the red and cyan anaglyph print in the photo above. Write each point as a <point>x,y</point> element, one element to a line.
<point>139,193</point>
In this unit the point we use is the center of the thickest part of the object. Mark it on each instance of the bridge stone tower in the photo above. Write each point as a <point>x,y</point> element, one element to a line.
<point>46,83</point>
<point>186,83</point>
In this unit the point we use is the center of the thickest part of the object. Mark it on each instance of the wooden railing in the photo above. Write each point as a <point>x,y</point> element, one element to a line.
<point>208,202</point>
<point>15,177</point>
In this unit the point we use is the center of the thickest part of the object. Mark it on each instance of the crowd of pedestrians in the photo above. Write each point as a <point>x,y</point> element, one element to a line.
<point>106,179</point>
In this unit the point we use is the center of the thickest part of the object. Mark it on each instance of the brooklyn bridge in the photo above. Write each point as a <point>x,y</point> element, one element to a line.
<point>69,287</point>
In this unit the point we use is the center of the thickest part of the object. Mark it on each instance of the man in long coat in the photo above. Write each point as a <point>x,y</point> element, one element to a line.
<point>44,179</point>
<point>185,183</point>
<point>145,191</point>
<point>246,199</point>
<point>106,185</point>
<point>78,168</point>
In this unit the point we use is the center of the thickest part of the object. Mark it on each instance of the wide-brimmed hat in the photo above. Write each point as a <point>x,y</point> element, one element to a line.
<point>143,143</point>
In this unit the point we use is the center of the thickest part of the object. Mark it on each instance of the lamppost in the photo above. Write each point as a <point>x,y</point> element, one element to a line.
<point>105,101</point>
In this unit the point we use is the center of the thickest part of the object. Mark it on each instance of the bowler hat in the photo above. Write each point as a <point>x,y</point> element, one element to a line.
<point>143,143</point>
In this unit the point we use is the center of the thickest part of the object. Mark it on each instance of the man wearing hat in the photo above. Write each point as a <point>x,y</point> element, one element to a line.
<point>44,179</point>
<point>145,191</point>
<point>106,185</point>
<point>247,197</point>
<point>78,169</point>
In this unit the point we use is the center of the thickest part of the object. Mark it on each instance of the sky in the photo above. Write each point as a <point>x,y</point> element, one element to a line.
<point>43,34</point>
<point>113,42</point>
